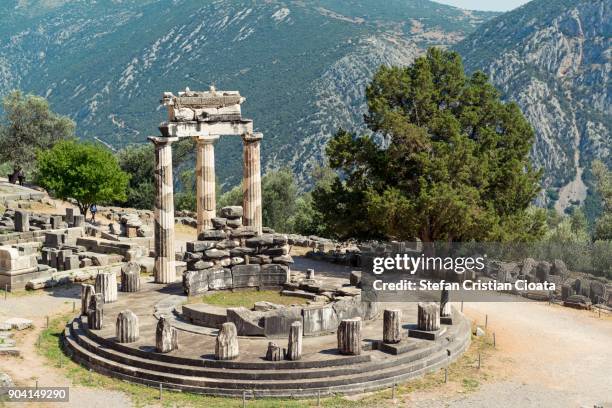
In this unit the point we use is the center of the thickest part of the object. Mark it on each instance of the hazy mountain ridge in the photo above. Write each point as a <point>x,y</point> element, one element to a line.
<point>303,66</point>
<point>553,59</point>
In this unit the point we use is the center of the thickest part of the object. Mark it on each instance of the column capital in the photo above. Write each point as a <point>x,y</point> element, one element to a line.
<point>206,139</point>
<point>252,137</point>
<point>162,140</point>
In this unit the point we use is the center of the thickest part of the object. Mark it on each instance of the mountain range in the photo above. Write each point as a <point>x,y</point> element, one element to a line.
<point>304,65</point>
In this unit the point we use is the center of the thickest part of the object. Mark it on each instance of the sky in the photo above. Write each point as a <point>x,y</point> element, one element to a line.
<point>490,5</point>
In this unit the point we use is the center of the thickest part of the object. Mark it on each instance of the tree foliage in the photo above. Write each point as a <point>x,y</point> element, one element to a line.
<point>139,162</point>
<point>28,125</point>
<point>447,160</point>
<point>603,176</point>
<point>86,173</point>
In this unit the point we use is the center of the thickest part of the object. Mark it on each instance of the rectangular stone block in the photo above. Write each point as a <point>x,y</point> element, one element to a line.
<point>200,246</point>
<point>71,262</point>
<point>195,282</point>
<point>319,319</point>
<point>244,276</point>
<point>248,323</point>
<point>22,221</point>
<point>70,213</point>
<point>273,275</point>
<point>277,324</point>
<point>54,239</point>
<point>78,220</point>
<point>56,222</point>
<point>219,278</point>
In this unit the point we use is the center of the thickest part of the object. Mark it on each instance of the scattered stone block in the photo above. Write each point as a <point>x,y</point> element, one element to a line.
<point>355,279</point>
<point>71,262</point>
<point>19,323</point>
<point>22,221</point>
<point>247,322</point>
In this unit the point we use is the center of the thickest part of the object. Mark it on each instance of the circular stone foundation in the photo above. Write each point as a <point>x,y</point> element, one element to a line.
<point>328,303</point>
<point>193,368</point>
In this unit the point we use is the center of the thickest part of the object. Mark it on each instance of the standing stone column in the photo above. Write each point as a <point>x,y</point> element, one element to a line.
<point>445,306</point>
<point>391,326</point>
<point>428,316</point>
<point>166,336</point>
<point>205,182</point>
<point>95,312</point>
<point>127,327</point>
<point>164,270</point>
<point>87,291</point>
<point>251,180</point>
<point>294,347</point>
<point>106,285</point>
<point>226,345</point>
<point>349,336</point>
<point>130,277</point>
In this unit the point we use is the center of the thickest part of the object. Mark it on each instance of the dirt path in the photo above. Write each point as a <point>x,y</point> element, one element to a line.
<point>31,367</point>
<point>548,356</point>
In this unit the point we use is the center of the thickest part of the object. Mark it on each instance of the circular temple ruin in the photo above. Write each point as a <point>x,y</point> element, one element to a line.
<point>151,333</point>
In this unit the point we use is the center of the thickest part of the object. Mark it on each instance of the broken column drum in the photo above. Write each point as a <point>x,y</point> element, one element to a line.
<point>166,336</point>
<point>87,291</point>
<point>164,269</point>
<point>445,307</point>
<point>391,326</point>
<point>226,344</point>
<point>428,316</point>
<point>127,327</point>
<point>294,346</point>
<point>106,285</point>
<point>274,352</point>
<point>349,336</point>
<point>130,277</point>
<point>95,312</point>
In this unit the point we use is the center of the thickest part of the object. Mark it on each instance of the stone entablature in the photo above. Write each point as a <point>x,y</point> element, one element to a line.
<point>204,116</point>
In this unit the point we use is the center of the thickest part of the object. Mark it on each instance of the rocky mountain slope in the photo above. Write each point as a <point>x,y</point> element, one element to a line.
<point>553,57</point>
<point>303,66</point>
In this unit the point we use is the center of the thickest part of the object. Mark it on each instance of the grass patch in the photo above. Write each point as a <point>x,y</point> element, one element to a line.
<point>247,298</point>
<point>464,372</point>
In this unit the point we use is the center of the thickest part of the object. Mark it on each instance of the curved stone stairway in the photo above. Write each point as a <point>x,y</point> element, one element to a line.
<point>372,370</point>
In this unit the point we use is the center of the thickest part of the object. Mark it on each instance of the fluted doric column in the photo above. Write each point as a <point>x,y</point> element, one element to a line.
<point>205,182</point>
<point>251,181</point>
<point>164,270</point>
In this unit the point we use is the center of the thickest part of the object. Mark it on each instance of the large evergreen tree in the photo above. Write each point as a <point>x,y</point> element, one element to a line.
<point>447,160</point>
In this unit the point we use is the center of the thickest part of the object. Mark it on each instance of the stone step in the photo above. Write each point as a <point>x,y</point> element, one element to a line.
<point>166,358</point>
<point>253,374</point>
<point>342,383</point>
<point>349,385</point>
